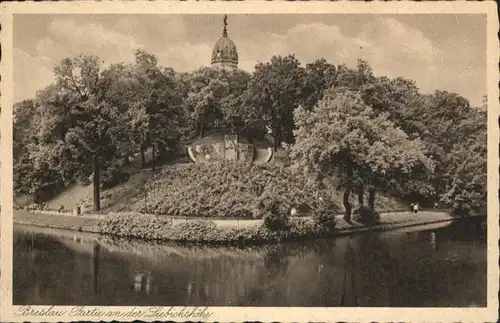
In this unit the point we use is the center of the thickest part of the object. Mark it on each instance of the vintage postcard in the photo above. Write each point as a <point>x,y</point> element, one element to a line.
<point>249,161</point>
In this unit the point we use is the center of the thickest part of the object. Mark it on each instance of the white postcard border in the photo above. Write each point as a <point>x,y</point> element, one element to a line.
<point>11,313</point>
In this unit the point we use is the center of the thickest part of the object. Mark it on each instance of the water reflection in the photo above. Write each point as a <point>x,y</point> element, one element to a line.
<point>421,268</point>
<point>142,283</point>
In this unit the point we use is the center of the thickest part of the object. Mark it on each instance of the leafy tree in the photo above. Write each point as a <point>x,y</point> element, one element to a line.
<point>92,127</point>
<point>25,123</point>
<point>354,79</point>
<point>442,120</point>
<point>156,108</point>
<point>466,179</point>
<point>122,95</point>
<point>392,96</point>
<point>24,126</point>
<point>236,115</point>
<point>344,138</point>
<point>484,104</point>
<point>274,92</point>
<point>463,181</point>
<point>207,87</point>
<point>320,76</point>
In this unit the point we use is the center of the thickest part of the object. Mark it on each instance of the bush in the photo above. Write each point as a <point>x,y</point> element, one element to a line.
<point>143,226</point>
<point>324,218</point>
<point>366,215</point>
<point>282,156</point>
<point>275,219</point>
<point>112,176</point>
<point>37,207</point>
<point>194,231</point>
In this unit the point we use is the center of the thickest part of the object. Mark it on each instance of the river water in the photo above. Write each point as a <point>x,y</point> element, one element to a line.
<point>431,267</point>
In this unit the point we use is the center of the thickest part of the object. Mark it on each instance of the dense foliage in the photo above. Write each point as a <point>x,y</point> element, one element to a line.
<point>160,228</point>
<point>323,216</point>
<point>275,219</point>
<point>346,139</point>
<point>335,128</point>
<point>367,215</point>
<point>229,190</point>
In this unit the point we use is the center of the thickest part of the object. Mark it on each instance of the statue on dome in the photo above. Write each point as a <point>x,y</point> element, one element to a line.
<point>224,32</point>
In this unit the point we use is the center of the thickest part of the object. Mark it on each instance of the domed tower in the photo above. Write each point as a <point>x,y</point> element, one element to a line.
<point>224,54</point>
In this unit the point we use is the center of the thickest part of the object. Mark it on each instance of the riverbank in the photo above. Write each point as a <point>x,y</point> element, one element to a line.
<point>221,231</point>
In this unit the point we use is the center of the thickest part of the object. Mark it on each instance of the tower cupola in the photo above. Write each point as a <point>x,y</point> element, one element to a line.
<point>225,54</point>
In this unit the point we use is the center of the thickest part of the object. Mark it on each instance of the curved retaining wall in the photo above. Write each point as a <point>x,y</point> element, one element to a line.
<point>91,223</point>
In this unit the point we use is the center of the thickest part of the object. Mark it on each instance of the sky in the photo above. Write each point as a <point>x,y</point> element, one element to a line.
<point>440,52</point>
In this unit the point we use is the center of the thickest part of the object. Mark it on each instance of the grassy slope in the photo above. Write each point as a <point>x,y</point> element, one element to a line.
<point>201,190</point>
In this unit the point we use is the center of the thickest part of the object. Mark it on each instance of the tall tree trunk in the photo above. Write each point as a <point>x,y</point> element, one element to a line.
<point>36,196</point>
<point>97,185</point>
<point>162,152</point>
<point>250,138</point>
<point>371,197</point>
<point>347,194</point>
<point>347,205</point>
<point>153,157</point>
<point>275,127</point>
<point>290,139</point>
<point>202,129</point>
<point>143,156</point>
<point>361,193</point>
<point>277,139</point>
<point>289,125</point>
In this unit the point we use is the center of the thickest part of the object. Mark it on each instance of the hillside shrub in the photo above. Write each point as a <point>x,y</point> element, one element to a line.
<point>274,217</point>
<point>366,215</point>
<point>282,156</point>
<point>143,226</point>
<point>276,221</point>
<point>324,218</point>
<point>113,176</point>
<point>194,231</point>
<point>37,207</point>
<point>225,190</point>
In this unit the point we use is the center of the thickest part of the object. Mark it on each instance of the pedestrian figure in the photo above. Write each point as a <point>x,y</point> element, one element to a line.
<point>415,207</point>
<point>411,207</point>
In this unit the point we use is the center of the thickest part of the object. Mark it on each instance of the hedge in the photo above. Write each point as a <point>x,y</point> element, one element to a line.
<point>160,228</point>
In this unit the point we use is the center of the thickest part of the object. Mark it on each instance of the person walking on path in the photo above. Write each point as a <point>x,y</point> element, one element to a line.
<point>415,207</point>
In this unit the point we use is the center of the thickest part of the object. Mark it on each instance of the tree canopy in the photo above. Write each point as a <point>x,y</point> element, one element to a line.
<point>346,124</point>
<point>344,138</point>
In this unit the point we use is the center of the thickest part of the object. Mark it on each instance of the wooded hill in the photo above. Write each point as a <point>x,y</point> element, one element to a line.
<point>345,128</point>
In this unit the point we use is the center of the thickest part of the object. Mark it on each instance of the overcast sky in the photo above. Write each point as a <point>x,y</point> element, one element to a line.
<point>438,51</point>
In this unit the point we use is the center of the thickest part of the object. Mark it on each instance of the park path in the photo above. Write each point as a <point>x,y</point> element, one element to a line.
<point>83,222</point>
<point>54,220</point>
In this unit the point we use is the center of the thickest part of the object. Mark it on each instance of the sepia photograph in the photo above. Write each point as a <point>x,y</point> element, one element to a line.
<point>168,164</point>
